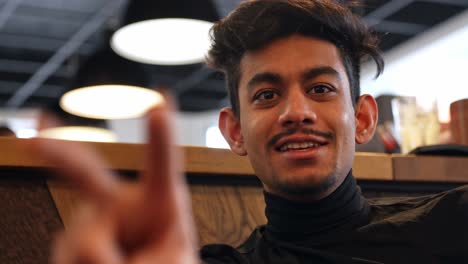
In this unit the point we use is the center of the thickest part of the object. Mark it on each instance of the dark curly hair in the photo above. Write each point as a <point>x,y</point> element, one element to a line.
<point>256,23</point>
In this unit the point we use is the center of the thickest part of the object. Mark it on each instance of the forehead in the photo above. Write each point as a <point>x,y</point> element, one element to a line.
<point>290,56</point>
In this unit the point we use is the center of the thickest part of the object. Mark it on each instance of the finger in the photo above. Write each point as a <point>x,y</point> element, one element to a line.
<point>79,165</point>
<point>59,251</point>
<point>162,164</point>
<point>88,241</point>
<point>174,252</point>
<point>96,246</point>
<point>173,257</point>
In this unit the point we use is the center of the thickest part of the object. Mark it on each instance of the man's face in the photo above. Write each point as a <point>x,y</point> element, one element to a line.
<point>297,122</point>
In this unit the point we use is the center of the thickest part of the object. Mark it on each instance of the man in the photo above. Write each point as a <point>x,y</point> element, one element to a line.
<point>292,69</point>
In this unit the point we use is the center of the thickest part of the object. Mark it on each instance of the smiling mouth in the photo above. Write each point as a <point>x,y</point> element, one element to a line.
<point>299,146</point>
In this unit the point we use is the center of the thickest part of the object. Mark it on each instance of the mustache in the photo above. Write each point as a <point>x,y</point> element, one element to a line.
<point>290,131</point>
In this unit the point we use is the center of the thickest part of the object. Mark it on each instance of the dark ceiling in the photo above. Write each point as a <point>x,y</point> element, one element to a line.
<point>44,42</point>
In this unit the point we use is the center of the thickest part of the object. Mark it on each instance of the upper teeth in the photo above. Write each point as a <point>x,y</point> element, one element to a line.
<point>302,145</point>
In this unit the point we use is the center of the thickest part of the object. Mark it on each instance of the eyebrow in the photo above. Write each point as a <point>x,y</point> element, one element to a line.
<point>273,78</point>
<point>264,77</point>
<point>318,71</point>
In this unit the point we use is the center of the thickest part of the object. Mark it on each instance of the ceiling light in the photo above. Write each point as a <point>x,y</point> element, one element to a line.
<point>168,41</point>
<point>110,101</point>
<point>77,133</point>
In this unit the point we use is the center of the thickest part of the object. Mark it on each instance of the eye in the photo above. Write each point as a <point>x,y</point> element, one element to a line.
<point>320,89</point>
<point>265,95</point>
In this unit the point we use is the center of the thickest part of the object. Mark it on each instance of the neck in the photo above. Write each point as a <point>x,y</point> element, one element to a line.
<point>309,194</point>
<point>344,208</point>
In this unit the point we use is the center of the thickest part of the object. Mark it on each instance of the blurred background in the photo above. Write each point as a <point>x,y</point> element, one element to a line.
<point>49,47</point>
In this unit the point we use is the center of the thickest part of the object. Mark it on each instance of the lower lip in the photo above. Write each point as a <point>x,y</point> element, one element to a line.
<point>303,154</point>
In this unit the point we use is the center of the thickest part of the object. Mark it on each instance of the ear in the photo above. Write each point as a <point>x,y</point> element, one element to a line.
<point>230,127</point>
<point>366,117</point>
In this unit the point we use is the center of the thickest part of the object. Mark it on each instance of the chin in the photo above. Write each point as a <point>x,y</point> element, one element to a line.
<point>310,186</point>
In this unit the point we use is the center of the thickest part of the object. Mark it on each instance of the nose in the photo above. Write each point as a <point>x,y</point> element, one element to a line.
<point>297,110</point>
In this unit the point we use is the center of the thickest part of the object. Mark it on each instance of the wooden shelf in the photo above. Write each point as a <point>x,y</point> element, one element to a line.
<point>215,162</point>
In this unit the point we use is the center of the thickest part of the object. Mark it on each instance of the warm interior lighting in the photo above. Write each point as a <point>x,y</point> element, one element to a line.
<point>169,41</point>
<point>110,101</point>
<point>77,133</point>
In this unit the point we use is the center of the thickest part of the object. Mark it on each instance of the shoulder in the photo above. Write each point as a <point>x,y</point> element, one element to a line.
<point>436,222</point>
<point>457,197</point>
<point>446,209</point>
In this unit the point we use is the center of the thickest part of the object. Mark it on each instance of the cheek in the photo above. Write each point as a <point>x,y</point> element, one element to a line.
<point>345,146</point>
<point>348,131</point>
<point>251,129</point>
<point>256,133</point>
<point>257,129</point>
<point>345,125</point>
<point>349,121</point>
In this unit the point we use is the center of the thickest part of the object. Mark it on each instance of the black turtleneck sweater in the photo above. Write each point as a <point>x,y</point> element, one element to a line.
<point>344,227</point>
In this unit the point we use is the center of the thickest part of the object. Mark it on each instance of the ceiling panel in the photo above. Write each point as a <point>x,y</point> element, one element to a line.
<point>426,13</point>
<point>371,5</point>
<point>87,6</point>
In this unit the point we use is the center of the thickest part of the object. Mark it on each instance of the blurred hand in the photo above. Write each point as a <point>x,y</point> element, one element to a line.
<point>145,222</point>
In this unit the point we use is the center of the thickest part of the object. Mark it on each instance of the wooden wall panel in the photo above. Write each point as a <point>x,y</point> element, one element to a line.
<point>227,214</point>
<point>28,219</point>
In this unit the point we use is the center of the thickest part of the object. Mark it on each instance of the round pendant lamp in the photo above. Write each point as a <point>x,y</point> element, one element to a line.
<point>110,101</point>
<point>170,41</point>
<point>108,86</point>
<point>166,32</point>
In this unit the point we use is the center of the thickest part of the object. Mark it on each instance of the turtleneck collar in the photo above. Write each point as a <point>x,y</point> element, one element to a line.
<point>342,210</point>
